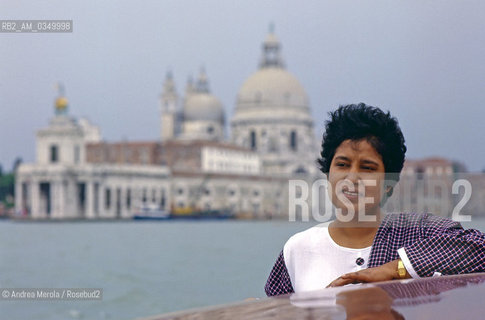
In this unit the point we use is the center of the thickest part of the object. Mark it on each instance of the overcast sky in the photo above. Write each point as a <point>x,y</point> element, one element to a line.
<point>422,60</point>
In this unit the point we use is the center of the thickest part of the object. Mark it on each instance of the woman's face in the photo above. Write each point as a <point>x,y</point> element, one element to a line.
<point>356,176</point>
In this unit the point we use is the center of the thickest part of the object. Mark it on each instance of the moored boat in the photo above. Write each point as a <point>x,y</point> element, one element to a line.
<point>202,214</point>
<point>151,212</point>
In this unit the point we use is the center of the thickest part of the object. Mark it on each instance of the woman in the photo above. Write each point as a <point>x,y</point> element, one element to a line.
<point>362,155</point>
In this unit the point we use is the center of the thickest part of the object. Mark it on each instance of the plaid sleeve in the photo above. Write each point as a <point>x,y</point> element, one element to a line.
<point>447,248</point>
<point>279,280</point>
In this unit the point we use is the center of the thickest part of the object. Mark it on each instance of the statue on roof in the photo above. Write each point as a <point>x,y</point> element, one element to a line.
<point>61,103</point>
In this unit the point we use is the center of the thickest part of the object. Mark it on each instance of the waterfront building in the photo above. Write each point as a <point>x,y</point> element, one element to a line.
<point>272,116</point>
<point>63,184</point>
<point>195,166</point>
<point>192,167</point>
<point>438,185</point>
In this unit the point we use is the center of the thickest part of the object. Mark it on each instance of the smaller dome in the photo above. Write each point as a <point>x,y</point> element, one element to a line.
<point>203,106</point>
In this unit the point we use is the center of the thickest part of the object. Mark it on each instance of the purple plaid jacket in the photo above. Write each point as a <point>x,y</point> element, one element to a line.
<point>432,244</point>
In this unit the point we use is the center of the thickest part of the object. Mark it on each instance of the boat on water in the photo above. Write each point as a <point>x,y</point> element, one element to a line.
<point>446,297</point>
<point>190,213</point>
<point>151,212</point>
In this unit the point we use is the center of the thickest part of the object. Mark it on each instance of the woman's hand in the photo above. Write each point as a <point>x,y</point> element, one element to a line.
<point>385,272</point>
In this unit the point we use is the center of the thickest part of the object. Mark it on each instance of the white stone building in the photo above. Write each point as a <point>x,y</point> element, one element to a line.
<point>61,184</point>
<point>193,167</point>
<point>272,116</point>
<point>201,115</point>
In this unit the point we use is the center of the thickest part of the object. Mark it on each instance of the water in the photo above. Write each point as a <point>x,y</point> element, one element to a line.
<point>144,268</point>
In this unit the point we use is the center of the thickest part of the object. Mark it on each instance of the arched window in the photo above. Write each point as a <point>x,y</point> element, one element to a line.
<point>252,139</point>
<point>293,142</point>
<point>54,152</point>
<point>128,198</point>
<point>107,198</point>
<point>144,196</point>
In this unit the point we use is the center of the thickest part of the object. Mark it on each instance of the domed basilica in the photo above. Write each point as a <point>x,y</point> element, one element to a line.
<point>194,167</point>
<point>271,117</point>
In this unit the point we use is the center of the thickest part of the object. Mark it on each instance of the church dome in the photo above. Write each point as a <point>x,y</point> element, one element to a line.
<point>272,115</point>
<point>272,86</point>
<point>203,106</point>
<point>200,104</point>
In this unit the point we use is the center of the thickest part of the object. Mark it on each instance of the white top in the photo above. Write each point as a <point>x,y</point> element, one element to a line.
<point>314,260</point>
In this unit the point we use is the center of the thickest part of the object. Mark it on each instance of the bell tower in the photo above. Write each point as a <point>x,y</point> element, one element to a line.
<point>169,109</point>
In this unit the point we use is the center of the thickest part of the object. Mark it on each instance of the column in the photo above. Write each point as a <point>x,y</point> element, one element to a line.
<point>35,199</point>
<point>124,209</point>
<point>19,196</point>
<point>62,199</point>
<point>52,199</point>
<point>70,200</point>
<point>90,200</point>
<point>101,203</point>
<point>55,192</point>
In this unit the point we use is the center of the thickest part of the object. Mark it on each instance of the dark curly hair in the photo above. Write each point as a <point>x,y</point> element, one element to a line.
<point>360,121</point>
